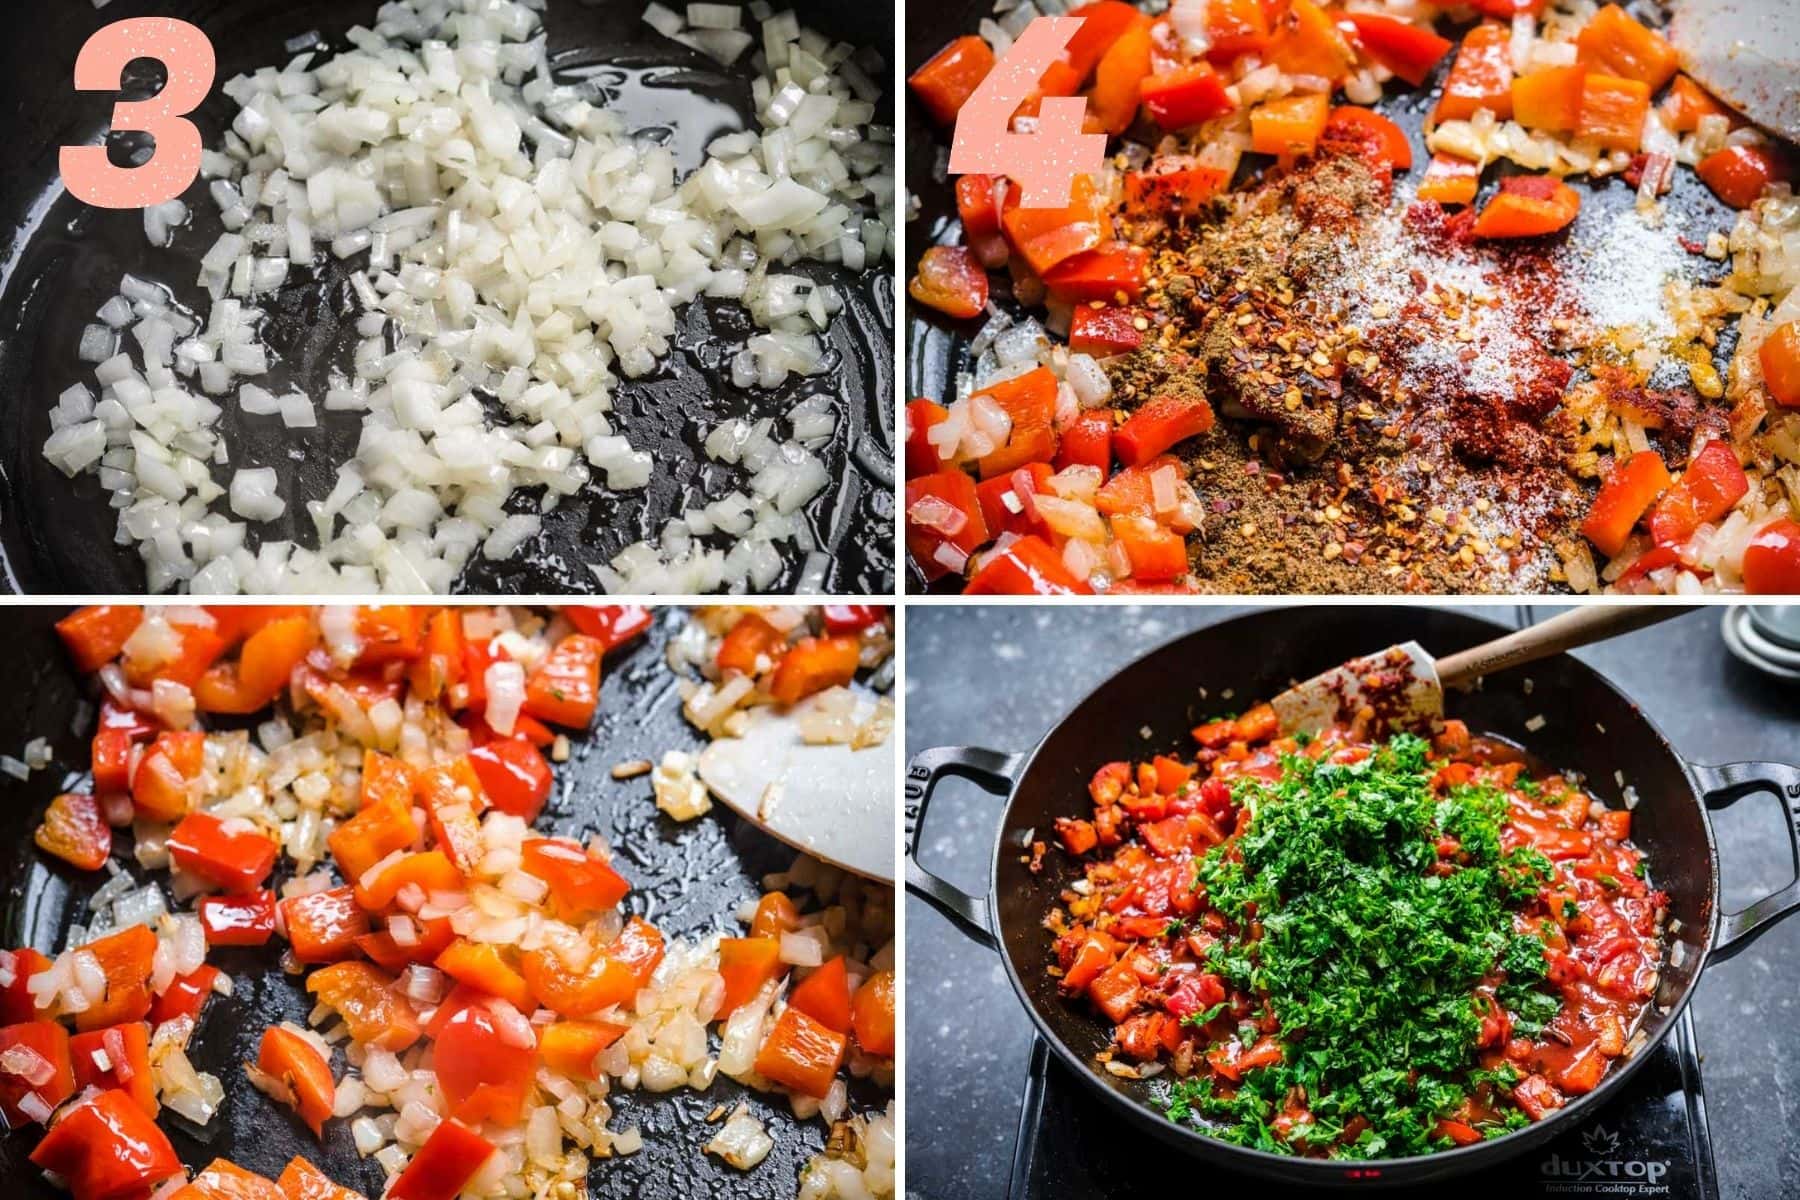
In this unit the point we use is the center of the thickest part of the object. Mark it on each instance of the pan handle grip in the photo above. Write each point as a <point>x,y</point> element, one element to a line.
<point>990,770</point>
<point>1725,785</point>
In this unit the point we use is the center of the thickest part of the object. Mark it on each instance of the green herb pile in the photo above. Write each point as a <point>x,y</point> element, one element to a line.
<point>1368,961</point>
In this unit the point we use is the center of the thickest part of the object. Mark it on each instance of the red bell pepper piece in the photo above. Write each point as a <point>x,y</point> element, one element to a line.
<point>376,831</point>
<point>872,1014</point>
<point>1186,96</point>
<point>1087,442</point>
<point>388,633</point>
<point>16,1003</point>
<point>1030,401</point>
<point>1105,331</point>
<point>303,1181</point>
<point>51,1083</point>
<point>565,689</point>
<point>1158,425</point>
<point>943,509</point>
<point>125,958</point>
<point>446,1162</point>
<point>247,920</point>
<point>75,832</point>
<point>851,618</point>
<point>1631,487</point>
<point>107,1149</point>
<point>1174,185</point>
<point>580,884</point>
<point>1113,274</point>
<point>262,670</point>
<point>978,206</point>
<point>613,624</point>
<point>233,855</point>
<point>1030,566</point>
<point>1738,175</point>
<point>1236,27</point>
<point>746,964</point>
<point>951,280</point>
<point>160,784</point>
<point>813,664</point>
<point>1375,137</point>
<point>1772,559</point>
<point>293,1062</point>
<point>751,646</point>
<point>1103,22</point>
<point>429,870</point>
<point>1779,357</point>
<point>801,1053</point>
<point>116,1057</point>
<point>482,1076</point>
<point>1113,100</point>
<point>1157,555</point>
<point>200,648</point>
<point>186,996</point>
<point>824,996</point>
<point>1528,206</point>
<point>96,635</point>
<point>1710,487</point>
<point>921,417</point>
<point>1046,236</point>
<point>1481,76</point>
<point>944,84</point>
<point>1409,51</point>
<point>112,762</point>
<point>514,776</point>
<point>323,927</point>
<point>1006,500</point>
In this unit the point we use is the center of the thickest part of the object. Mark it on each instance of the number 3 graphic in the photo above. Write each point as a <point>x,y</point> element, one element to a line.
<point>187,56</point>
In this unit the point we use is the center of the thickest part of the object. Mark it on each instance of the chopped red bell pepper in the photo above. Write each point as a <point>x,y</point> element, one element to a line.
<point>813,664</point>
<point>125,958</point>
<point>49,1082</point>
<point>514,776</point>
<point>75,832</point>
<point>945,83</point>
<point>1087,442</point>
<point>1630,489</point>
<point>1710,487</point>
<point>951,280</point>
<point>16,1003</point>
<point>746,964</point>
<point>116,1057</point>
<point>1113,100</point>
<point>1103,22</point>
<point>1377,139</point>
<point>1186,96</point>
<point>751,646</point>
<point>388,633</point>
<point>1029,566</point>
<point>1528,206</point>
<point>446,1162</point>
<point>1160,424</point>
<point>1481,76</point>
<point>372,1009</point>
<point>1046,236</point>
<point>234,855</point>
<point>613,624</point>
<point>1410,51</point>
<point>1237,27</point>
<point>96,635</point>
<point>580,884</point>
<point>323,927</point>
<point>1105,331</point>
<point>1739,175</point>
<point>851,618</point>
<point>200,648</point>
<point>303,1181</point>
<point>944,524</point>
<point>481,1074</point>
<point>801,1053</point>
<point>824,996</point>
<point>1450,180</point>
<point>565,688</point>
<point>160,786</point>
<point>1174,185</point>
<point>106,1148</point>
<point>1007,500</point>
<point>429,870</point>
<point>1779,358</point>
<point>294,1063</point>
<point>112,762</point>
<point>247,920</point>
<point>571,1047</point>
<point>1772,559</point>
<point>921,417</point>
<point>1030,401</point>
<point>376,831</point>
<point>185,996</point>
<point>978,206</point>
<point>1157,554</point>
<point>1112,273</point>
<point>222,1179</point>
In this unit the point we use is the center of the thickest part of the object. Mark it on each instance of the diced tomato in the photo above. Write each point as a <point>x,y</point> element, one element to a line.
<point>293,1062</point>
<point>1528,206</point>
<point>161,785</point>
<point>186,996</point>
<point>1613,110</point>
<point>74,831</point>
<point>945,83</point>
<point>1007,500</point>
<point>951,280</point>
<point>813,664</point>
<point>802,1054</point>
<point>125,958</point>
<point>1619,45</point>
<point>1772,559</point>
<point>1159,424</point>
<point>107,1148</point>
<point>1185,96</point>
<point>1710,487</point>
<point>613,624</point>
<point>565,689</point>
<point>1537,1096</point>
<point>922,416</point>
<point>571,1047</point>
<point>1457,1131</point>
<point>116,1057</point>
<point>50,1042</point>
<point>1779,358</point>
<point>303,1181</point>
<point>775,915</point>
<point>1410,51</point>
<point>247,920</point>
<point>824,996</point>
<point>1113,273</point>
<point>580,884</point>
<point>746,964</point>
<point>1630,489</point>
<point>97,634</point>
<point>323,927</point>
<point>1289,126</point>
<point>446,1162</point>
<point>233,855</point>
<point>872,1014</point>
<point>1481,76</point>
<point>1029,401</point>
<point>1113,100</point>
<point>751,646</point>
<point>376,832</point>
<point>1116,991</point>
<point>1233,1060</point>
<point>1174,185</point>
<point>1078,836</point>
<point>1377,138</point>
<point>1739,175</point>
<point>1028,566</point>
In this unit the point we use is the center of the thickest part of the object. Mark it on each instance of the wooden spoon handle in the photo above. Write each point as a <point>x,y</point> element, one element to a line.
<point>1565,631</point>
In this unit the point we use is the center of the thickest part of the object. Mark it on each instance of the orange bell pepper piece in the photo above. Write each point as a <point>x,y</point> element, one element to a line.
<point>1631,487</point>
<point>222,1179</point>
<point>1528,206</point>
<point>97,634</point>
<point>160,787</point>
<point>200,648</point>
<point>580,884</point>
<point>1376,137</point>
<point>479,965</point>
<point>1310,43</point>
<point>428,870</point>
<point>303,1181</point>
<point>293,1062</point>
<point>824,996</point>
<point>1550,99</point>
<point>1112,272</point>
<point>802,1054</point>
<point>813,664</point>
<point>1159,424</point>
<point>1450,180</point>
<point>125,958</point>
<point>746,965</point>
<point>440,662</point>
<point>1113,100</point>
<point>1617,44</point>
<point>571,1047</point>
<point>1709,488</point>
<point>75,832</point>
<point>1103,23</point>
<point>1613,109</point>
<point>1030,401</point>
<point>268,658</point>
<point>872,1014</point>
<point>1687,102</point>
<point>1779,357</point>
<point>945,83</point>
<point>323,927</point>
<point>1157,555</point>
<point>388,633</point>
<point>775,915</point>
<point>565,689</point>
<point>370,836</point>
<point>1481,76</point>
<point>1289,126</point>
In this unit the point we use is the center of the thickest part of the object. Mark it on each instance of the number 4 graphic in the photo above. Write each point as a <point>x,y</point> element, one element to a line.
<point>1043,163</point>
<point>187,56</point>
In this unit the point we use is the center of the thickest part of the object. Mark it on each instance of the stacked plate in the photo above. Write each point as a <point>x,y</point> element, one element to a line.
<point>1766,636</point>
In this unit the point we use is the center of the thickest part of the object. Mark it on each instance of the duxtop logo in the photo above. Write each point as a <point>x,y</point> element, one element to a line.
<point>1600,1140</point>
<point>1600,1173</point>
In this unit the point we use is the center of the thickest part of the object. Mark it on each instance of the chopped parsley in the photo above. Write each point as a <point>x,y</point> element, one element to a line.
<point>1369,952</point>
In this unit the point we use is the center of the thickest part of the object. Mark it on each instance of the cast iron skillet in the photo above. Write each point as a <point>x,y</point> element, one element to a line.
<point>1257,655</point>
<point>60,260</point>
<point>937,347</point>
<point>685,877</point>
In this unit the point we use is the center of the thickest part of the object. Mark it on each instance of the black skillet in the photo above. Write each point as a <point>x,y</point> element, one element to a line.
<point>937,348</point>
<point>687,878</point>
<point>60,260</point>
<point>1590,727</point>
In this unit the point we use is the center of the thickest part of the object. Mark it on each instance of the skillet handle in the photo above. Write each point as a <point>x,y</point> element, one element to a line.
<point>990,770</point>
<point>1725,785</point>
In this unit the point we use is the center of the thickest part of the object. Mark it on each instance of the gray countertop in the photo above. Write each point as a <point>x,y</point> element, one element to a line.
<point>999,676</point>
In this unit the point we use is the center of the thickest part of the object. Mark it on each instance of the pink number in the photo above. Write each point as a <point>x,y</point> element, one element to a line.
<point>100,67</point>
<point>1043,163</point>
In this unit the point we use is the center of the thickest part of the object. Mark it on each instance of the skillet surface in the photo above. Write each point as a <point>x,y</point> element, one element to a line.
<point>60,260</point>
<point>937,348</point>
<point>687,878</point>
<point>1225,668</point>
